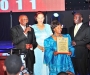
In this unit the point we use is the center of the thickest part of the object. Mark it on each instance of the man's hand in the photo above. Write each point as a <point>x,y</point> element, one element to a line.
<point>73,43</point>
<point>28,46</point>
<point>27,29</point>
<point>88,46</point>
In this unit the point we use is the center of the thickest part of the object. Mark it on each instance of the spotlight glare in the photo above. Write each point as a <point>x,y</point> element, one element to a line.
<point>56,15</point>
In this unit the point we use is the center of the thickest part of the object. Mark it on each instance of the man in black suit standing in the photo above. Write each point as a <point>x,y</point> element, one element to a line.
<point>23,38</point>
<point>80,34</point>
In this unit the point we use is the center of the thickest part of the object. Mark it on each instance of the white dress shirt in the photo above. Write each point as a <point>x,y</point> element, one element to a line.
<point>23,56</point>
<point>23,27</point>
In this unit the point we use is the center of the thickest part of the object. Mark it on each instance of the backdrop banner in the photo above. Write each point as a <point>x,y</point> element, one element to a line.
<point>31,5</point>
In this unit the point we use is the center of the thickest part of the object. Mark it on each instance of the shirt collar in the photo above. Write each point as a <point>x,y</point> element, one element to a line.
<point>23,27</point>
<point>79,25</point>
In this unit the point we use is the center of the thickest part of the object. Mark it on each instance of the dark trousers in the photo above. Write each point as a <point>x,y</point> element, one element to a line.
<point>29,63</point>
<point>89,62</point>
<point>80,65</point>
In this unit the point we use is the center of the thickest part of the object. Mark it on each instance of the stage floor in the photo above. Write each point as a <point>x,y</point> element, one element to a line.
<point>5,47</point>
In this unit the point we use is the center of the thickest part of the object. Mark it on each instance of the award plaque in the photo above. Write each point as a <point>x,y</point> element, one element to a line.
<point>62,45</point>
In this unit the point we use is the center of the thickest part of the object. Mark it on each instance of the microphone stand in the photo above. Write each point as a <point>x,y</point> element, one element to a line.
<point>10,19</point>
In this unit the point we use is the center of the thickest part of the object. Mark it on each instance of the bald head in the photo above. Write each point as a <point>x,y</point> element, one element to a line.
<point>23,20</point>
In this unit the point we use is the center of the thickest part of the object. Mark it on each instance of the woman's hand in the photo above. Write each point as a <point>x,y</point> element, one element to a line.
<point>69,53</point>
<point>41,48</point>
<point>55,53</point>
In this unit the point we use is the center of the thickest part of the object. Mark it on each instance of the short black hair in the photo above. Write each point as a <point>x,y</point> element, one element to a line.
<point>13,64</point>
<point>54,24</point>
<point>77,13</point>
<point>62,73</point>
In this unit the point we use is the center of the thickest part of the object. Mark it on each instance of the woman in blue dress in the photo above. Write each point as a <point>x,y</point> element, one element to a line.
<point>42,31</point>
<point>57,62</point>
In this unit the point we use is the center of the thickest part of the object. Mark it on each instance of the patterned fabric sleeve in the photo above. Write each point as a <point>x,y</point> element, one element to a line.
<point>71,48</point>
<point>48,51</point>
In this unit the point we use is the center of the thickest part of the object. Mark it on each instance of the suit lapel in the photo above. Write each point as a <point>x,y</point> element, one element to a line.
<point>29,36</point>
<point>72,32</point>
<point>20,29</point>
<point>80,30</point>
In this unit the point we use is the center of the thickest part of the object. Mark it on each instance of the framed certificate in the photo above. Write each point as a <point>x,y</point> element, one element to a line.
<point>62,45</point>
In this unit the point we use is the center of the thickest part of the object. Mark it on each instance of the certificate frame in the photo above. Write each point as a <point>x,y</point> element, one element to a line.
<point>62,45</point>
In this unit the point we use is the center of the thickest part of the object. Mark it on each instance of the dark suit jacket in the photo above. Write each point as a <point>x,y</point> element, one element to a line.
<point>20,40</point>
<point>82,38</point>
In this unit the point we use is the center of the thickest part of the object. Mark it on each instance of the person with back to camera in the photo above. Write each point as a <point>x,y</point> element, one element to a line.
<point>57,62</point>
<point>65,73</point>
<point>62,73</point>
<point>42,31</point>
<point>13,65</point>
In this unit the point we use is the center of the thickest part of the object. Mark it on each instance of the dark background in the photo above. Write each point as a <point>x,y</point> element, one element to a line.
<point>77,4</point>
<point>66,17</point>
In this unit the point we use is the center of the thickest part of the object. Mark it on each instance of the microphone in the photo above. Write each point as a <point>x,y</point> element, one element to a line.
<point>27,25</point>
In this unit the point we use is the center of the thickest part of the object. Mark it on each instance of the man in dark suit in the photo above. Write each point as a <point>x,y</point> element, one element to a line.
<point>23,38</point>
<point>80,34</point>
<point>88,46</point>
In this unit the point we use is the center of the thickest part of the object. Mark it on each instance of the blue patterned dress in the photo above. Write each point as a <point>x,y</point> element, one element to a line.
<point>60,62</point>
<point>40,67</point>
